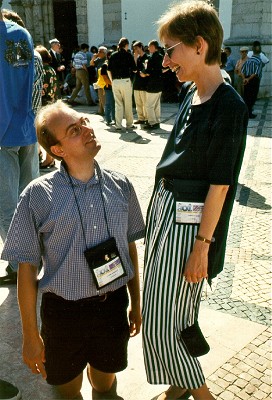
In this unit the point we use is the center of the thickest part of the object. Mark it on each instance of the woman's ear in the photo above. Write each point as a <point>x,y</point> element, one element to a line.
<point>200,45</point>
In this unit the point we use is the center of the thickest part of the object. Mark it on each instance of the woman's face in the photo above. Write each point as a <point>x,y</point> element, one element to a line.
<point>181,59</point>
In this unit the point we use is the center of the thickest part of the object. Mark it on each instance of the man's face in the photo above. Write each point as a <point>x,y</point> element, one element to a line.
<point>137,50</point>
<point>227,52</point>
<point>56,47</point>
<point>151,48</point>
<point>75,136</point>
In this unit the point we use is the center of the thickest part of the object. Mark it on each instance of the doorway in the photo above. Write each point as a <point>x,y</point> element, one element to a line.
<point>65,23</point>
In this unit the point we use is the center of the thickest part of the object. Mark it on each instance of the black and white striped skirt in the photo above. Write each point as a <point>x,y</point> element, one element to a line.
<point>168,306</point>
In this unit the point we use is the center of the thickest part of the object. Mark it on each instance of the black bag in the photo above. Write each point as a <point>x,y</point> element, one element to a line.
<point>192,336</point>
<point>194,340</point>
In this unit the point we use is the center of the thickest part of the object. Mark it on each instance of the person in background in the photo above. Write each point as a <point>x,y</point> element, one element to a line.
<point>139,83</point>
<point>82,76</point>
<point>19,161</point>
<point>230,64</point>
<point>251,73</point>
<point>257,46</point>
<point>70,81</point>
<point>84,309</point>
<point>49,95</point>
<point>224,74</point>
<point>121,68</point>
<point>185,243</point>
<point>97,61</point>
<point>153,72</point>
<point>56,63</point>
<point>38,65</point>
<point>239,84</point>
<point>109,98</point>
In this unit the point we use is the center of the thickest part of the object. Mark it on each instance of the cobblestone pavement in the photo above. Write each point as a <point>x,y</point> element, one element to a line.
<point>235,315</point>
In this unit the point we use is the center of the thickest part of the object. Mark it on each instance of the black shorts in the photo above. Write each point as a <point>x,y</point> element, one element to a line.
<point>86,331</point>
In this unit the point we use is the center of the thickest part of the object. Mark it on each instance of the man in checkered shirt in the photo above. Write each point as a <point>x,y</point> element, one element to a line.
<point>58,217</point>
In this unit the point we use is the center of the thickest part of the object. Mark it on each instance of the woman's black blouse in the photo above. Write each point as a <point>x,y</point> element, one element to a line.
<point>207,143</point>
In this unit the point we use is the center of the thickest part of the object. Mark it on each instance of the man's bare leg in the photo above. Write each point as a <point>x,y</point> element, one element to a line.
<point>71,390</point>
<point>100,381</point>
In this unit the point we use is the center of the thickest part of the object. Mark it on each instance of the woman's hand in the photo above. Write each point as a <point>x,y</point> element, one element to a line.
<point>196,267</point>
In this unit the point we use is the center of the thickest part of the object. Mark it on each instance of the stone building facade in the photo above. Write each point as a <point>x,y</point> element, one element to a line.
<point>45,19</point>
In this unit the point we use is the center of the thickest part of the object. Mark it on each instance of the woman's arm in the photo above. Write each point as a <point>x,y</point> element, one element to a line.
<point>196,267</point>
<point>134,291</point>
<point>33,347</point>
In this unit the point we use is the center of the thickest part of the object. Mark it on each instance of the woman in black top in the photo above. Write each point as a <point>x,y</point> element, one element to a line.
<point>195,186</point>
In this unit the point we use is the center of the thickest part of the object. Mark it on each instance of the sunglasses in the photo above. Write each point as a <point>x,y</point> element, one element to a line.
<point>169,50</point>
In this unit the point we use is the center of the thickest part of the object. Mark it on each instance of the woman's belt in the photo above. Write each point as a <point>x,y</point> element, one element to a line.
<point>168,184</point>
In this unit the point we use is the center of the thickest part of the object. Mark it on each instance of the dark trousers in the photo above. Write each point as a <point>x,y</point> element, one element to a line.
<point>251,90</point>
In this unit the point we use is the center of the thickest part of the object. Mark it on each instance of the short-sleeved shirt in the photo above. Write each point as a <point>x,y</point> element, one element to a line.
<point>253,66</point>
<point>48,226</point>
<point>207,143</point>
<point>16,85</point>
<point>80,59</point>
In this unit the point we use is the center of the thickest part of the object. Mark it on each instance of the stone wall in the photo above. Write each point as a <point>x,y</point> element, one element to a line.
<point>112,21</point>
<point>251,20</point>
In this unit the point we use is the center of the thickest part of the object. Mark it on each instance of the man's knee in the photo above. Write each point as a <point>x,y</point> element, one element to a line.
<point>71,390</point>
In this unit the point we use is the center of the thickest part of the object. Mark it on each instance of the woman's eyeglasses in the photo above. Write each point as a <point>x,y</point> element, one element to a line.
<point>169,51</point>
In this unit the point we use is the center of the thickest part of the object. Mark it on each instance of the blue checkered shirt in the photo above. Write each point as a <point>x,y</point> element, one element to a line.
<point>80,59</point>
<point>46,226</point>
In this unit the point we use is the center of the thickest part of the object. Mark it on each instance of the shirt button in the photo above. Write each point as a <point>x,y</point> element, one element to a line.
<point>91,205</point>
<point>94,227</point>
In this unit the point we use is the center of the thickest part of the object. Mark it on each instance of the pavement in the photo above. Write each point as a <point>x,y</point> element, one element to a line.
<point>235,315</point>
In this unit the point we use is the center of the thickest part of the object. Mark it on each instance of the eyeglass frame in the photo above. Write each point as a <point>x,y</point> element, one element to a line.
<point>76,126</point>
<point>166,49</point>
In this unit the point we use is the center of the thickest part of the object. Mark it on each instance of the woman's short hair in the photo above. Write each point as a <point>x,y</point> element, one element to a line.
<point>189,19</point>
<point>46,138</point>
<point>44,53</point>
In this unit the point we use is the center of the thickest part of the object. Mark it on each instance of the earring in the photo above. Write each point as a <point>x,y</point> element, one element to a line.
<point>198,52</point>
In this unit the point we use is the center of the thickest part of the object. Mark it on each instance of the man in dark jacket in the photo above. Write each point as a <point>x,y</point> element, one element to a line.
<point>56,63</point>
<point>120,69</point>
<point>154,86</point>
<point>140,83</point>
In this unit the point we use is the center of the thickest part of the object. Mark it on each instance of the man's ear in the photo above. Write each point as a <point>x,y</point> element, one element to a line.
<point>57,150</point>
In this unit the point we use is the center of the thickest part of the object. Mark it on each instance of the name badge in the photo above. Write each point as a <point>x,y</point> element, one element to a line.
<point>105,263</point>
<point>108,272</point>
<point>188,212</point>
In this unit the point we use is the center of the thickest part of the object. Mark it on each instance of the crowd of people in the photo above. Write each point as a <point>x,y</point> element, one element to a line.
<point>245,73</point>
<point>80,223</point>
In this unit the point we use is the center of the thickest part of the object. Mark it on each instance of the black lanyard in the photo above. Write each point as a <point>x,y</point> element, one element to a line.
<point>78,208</point>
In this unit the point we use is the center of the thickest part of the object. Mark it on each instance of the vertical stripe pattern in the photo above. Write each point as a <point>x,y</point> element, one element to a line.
<point>168,303</point>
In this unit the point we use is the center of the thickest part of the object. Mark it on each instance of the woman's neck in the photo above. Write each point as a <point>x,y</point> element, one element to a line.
<point>209,80</point>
